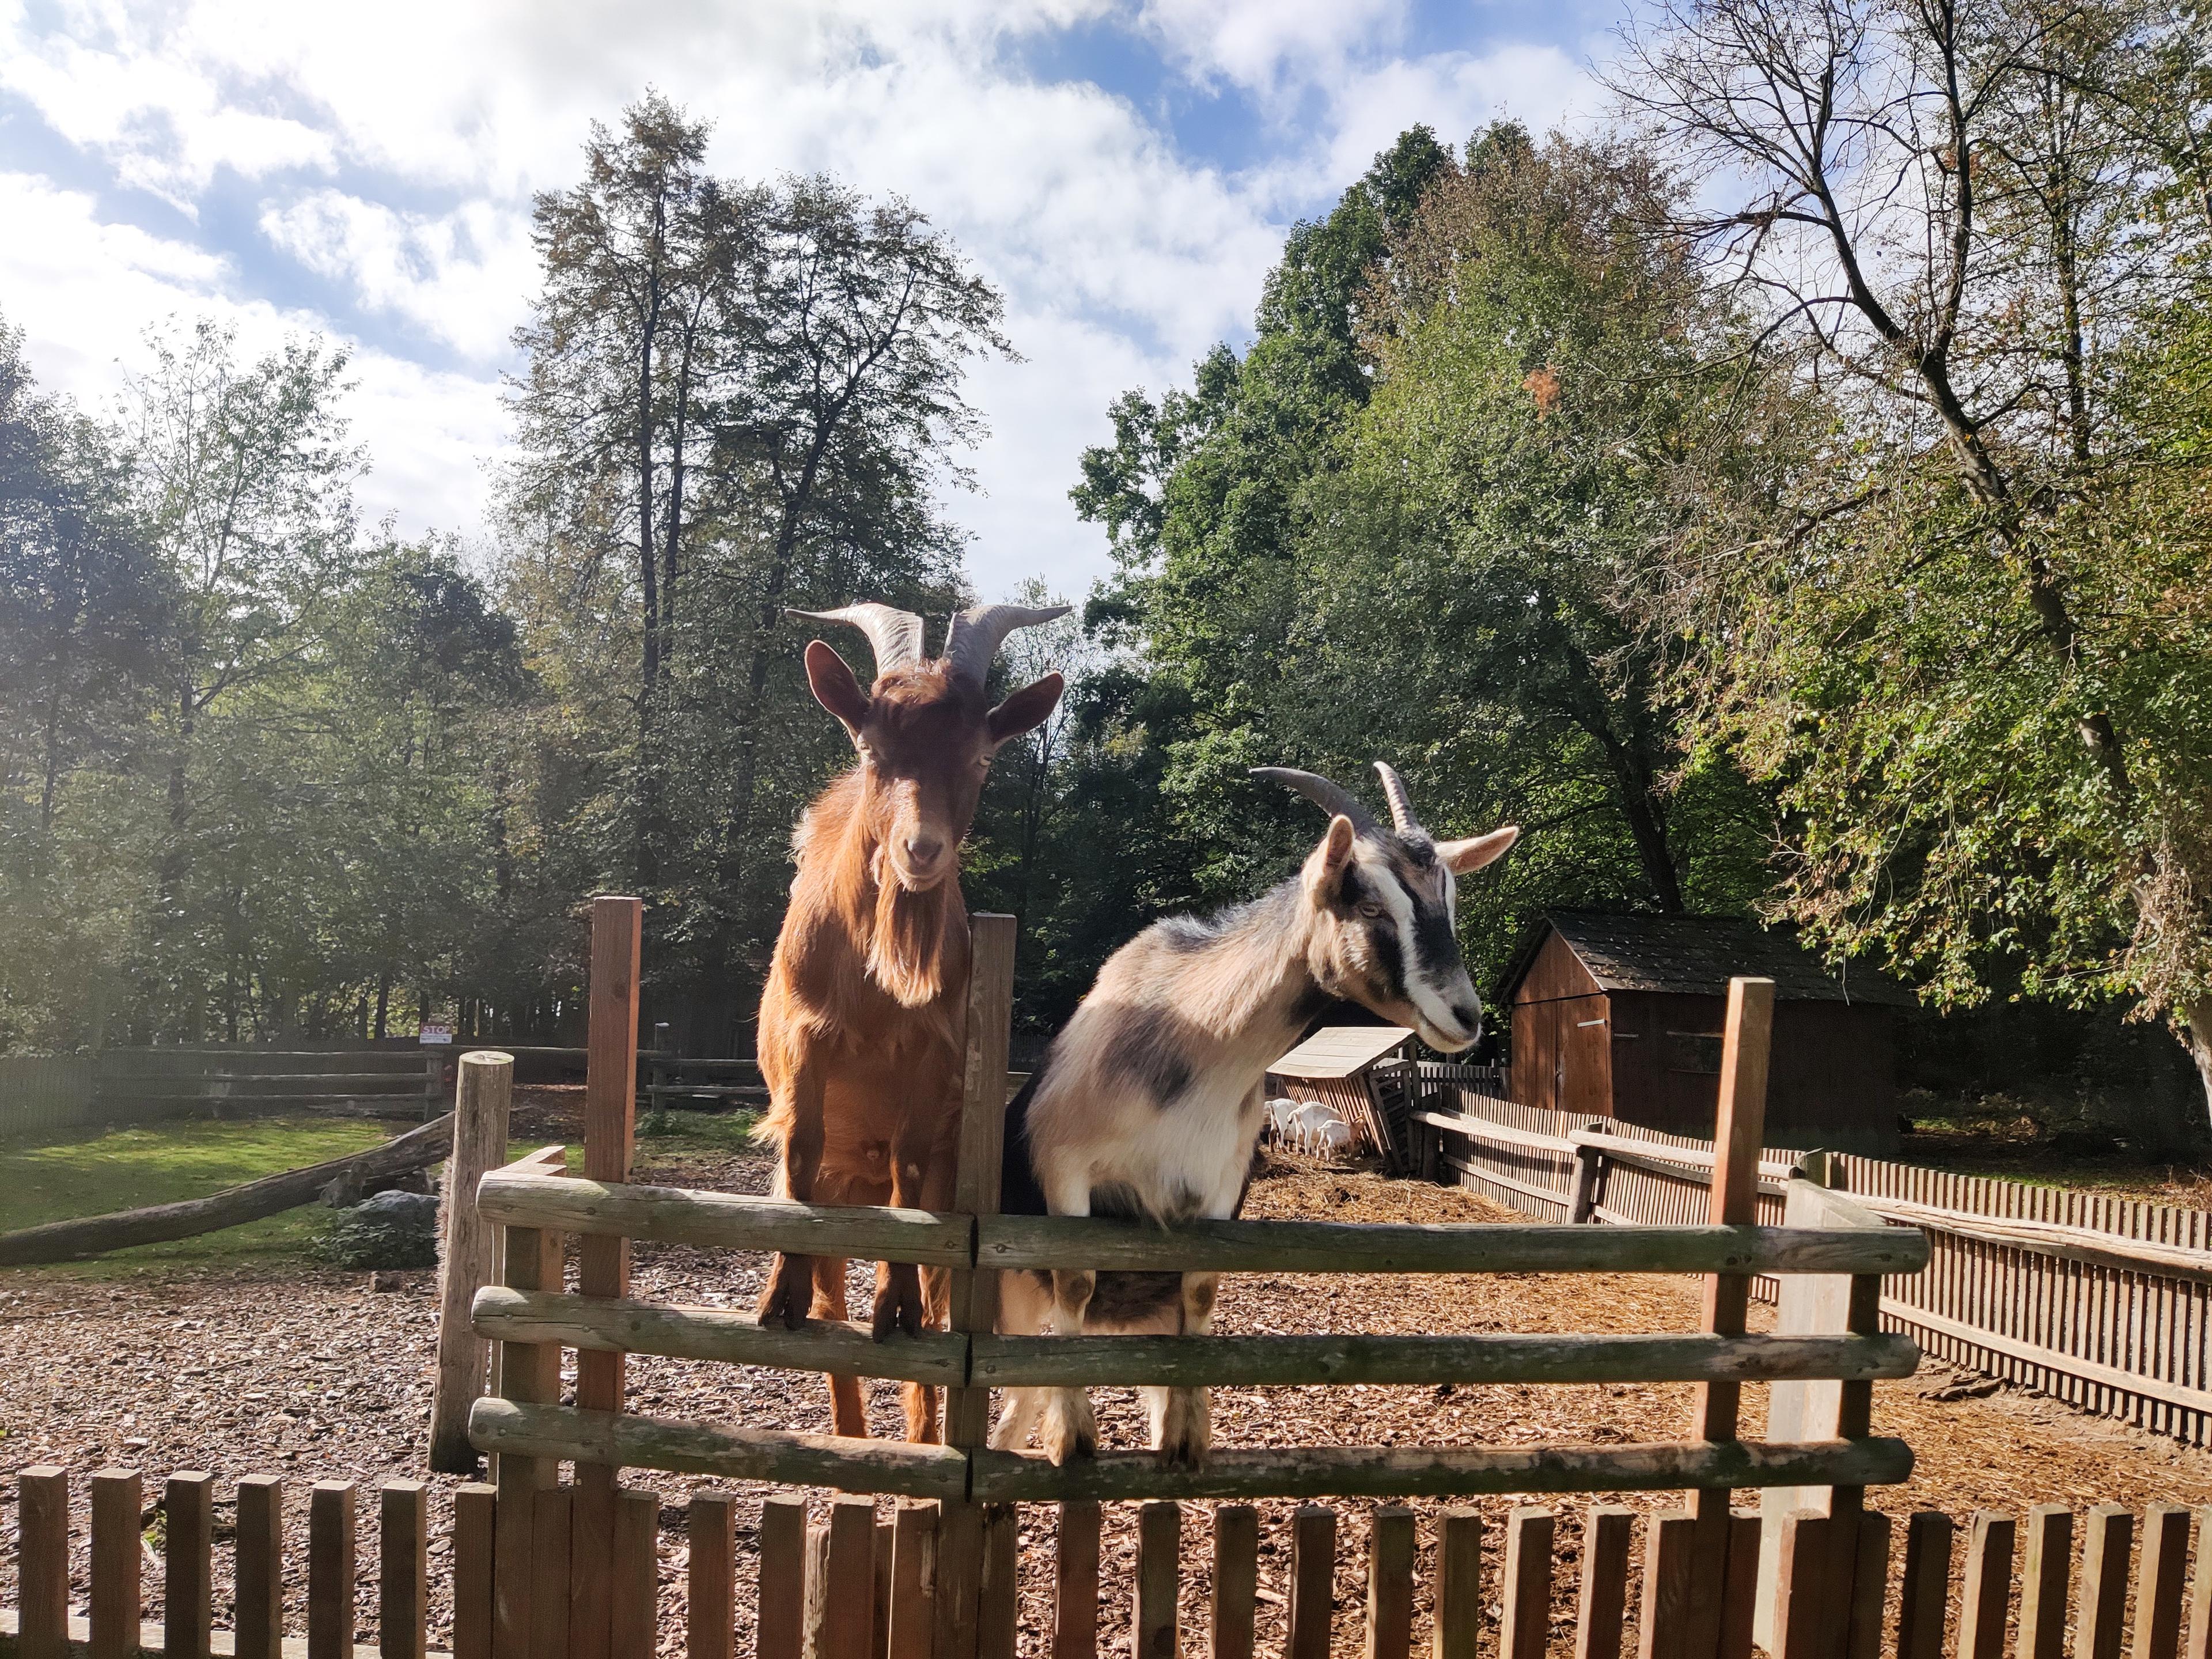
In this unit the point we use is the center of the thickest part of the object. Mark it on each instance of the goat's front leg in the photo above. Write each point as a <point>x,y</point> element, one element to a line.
<point>791,1277</point>
<point>1069,1430</point>
<point>898,1283</point>
<point>1183,1425</point>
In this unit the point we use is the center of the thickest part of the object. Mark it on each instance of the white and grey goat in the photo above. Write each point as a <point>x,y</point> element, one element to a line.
<point>1149,1104</point>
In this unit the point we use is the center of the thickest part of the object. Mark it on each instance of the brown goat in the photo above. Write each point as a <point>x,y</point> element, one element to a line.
<point>863,1019</point>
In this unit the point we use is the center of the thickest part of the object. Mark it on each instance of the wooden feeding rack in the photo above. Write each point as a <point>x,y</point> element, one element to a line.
<point>572,1565</point>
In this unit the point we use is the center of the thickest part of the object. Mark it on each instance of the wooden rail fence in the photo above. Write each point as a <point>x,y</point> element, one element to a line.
<point>41,1093</point>
<point>544,1599</point>
<point>860,1582</point>
<point>2103,1302</point>
<point>552,1570</point>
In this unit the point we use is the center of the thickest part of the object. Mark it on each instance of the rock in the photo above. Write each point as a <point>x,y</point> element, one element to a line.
<point>392,1230</point>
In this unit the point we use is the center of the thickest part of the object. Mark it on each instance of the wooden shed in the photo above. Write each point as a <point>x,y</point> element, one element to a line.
<point>1620,1015</point>
<point>1337,1065</point>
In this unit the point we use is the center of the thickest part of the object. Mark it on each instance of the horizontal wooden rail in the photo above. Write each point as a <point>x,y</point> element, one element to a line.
<point>624,1440</point>
<point>717,1334</point>
<point>517,1197</point>
<point>1002,1362</point>
<point>2051,1238</point>
<point>890,1465</point>
<point>676,1215</point>
<point>2050,1359</point>
<point>1443,1471</point>
<point>1480,1128</point>
<point>1659,1151</point>
<point>1330,1247</point>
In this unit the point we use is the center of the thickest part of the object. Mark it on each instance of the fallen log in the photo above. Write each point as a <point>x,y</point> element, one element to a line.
<point>80,1236</point>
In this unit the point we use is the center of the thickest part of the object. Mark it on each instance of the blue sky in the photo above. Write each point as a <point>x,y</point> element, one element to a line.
<point>1123,169</point>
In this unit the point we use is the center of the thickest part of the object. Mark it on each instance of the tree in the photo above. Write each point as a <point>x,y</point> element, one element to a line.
<point>82,608</point>
<point>739,398</point>
<point>241,476</point>
<point>1488,567</point>
<point>1974,702</point>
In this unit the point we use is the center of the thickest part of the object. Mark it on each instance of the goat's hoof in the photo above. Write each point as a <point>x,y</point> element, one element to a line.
<point>898,1305</point>
<point>1069,1433</point>
<point>790,1292</point>
<point>1186,1432</point>
<point>1185,1454</point>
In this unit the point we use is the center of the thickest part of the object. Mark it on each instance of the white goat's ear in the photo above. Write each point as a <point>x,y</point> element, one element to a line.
<point>1325,866</point>
<point>1461,856</point>
<point>835,687</point>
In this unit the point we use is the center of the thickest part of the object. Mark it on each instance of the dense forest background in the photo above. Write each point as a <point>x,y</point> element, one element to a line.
<point>1788,497</point>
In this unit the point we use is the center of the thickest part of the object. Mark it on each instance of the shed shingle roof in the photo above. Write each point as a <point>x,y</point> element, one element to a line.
<point>1696,956</point>
<point>1337,1051</point>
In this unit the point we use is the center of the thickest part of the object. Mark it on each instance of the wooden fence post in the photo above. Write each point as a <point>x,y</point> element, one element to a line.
<point>1155,1629</point>
<point>1590,1171</point>
<point>1075,1582</point>
<point>403,1570</point>
<point>258,1624</point>
<point>1236,1580</point>
<point>603,1259</point>
<point>974,1296</point>
<point>530,1372</point>
<point>1739,1132</point>
<point>710,1601</point>
<point>1601,1613</point>
<point>118,1601</point>
<point>1391,1544</point>
<point>331,1567</point>
<point>1810,1303</point>
<point>465,1263</point>
<point>42,1500</point>
<point>187,1570</point>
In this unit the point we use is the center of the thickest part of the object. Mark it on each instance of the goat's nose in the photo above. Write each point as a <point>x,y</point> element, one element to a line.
<point>923,848</point>
<point>1469,1016</point>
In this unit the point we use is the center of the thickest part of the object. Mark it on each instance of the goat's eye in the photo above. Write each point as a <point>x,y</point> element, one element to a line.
<point>1371,910</point>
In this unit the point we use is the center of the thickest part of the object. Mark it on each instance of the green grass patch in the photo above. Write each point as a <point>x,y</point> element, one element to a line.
<point>681,1131</point>
<point>163,1163</point>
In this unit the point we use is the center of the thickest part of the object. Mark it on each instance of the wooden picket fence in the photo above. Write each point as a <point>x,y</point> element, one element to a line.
<point>860,1582</point>
<point>2103,1302</point>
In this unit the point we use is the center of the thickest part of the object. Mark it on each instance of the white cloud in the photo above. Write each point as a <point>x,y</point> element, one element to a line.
<point>1260,44</point>
<point>85,292</point>
<point>458,275</point>
<point>391,152</point>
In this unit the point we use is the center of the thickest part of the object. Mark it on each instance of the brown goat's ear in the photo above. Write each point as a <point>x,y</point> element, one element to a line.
<point>1461,856</point>
<point>835,687</point>
<point>1325,865</point>
<point>1029,706</point>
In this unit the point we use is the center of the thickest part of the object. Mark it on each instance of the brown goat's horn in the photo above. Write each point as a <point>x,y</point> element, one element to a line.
<point>1332,797</point>
<point>895,635</point>
<point>1402,804</point>
<point>977,633</point>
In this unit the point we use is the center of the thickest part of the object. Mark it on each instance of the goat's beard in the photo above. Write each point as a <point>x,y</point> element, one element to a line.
<point>906,949</point>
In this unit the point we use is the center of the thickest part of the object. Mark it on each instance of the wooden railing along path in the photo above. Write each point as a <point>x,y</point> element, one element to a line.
<point>2103,1302</point>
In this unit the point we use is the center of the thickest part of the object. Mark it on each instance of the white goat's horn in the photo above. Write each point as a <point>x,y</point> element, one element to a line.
<point>1402,804</point>
<point>1332,797</point>
<point>977,633</point>
<point>895,635</point>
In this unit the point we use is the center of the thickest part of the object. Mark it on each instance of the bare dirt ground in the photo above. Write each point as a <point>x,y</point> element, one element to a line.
<point>313,1376</point>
